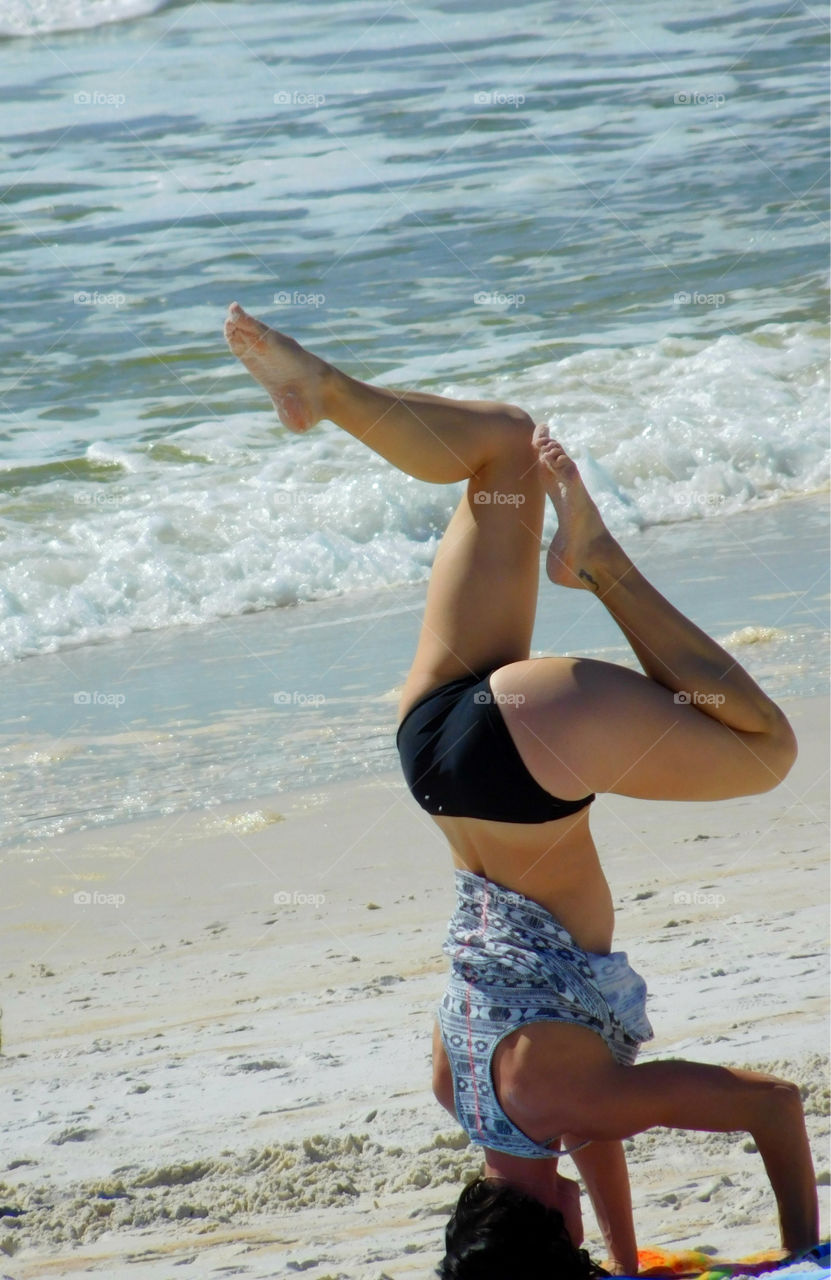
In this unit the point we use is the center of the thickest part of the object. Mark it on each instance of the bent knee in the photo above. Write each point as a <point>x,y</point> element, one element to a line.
<point>513,458</point>
<point>774,754</point>
<point>514,417</point>
<point>785,747</point>
<point>515,425</point>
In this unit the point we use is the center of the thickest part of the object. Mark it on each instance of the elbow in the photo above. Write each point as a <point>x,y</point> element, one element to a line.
<point>780,1102</point>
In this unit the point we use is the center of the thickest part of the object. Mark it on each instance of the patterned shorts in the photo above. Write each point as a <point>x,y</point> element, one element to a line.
<point>512,964</point>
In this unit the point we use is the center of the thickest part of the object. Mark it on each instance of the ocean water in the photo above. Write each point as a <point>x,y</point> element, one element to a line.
<point>614,216</point>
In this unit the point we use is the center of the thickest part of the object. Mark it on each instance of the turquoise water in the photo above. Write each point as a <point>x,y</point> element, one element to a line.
<point>614,217</point>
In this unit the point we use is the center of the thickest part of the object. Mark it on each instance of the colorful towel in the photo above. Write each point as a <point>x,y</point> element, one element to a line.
<point>689,1264</point>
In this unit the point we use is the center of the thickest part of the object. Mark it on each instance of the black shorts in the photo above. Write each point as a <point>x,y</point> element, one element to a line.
<point>460,761</point>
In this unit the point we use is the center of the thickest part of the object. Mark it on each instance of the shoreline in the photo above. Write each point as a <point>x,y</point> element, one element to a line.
<point>293,699</point>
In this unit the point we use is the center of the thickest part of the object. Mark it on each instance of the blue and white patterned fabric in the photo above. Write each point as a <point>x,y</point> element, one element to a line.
<point>513,964</point>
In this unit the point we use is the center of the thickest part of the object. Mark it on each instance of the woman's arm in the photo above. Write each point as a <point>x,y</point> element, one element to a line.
<point>602,1166</point>
<point>581,1089</point>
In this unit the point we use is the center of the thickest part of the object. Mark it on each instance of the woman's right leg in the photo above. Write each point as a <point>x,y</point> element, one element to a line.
<point>429,437</point>
<point>695,727</point>
<point>482,595</point>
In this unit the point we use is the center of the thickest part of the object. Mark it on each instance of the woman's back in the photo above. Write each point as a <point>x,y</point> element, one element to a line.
<point>553,863</point>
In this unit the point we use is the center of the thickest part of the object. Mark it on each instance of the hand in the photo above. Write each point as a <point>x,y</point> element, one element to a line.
<point>602,1167</point>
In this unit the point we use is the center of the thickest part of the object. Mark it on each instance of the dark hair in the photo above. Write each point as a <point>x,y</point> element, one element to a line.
<point>498,1232</point>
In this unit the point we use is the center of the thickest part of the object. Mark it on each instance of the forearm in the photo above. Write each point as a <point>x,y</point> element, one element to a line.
<point>721,1099</point>
<point>770,1110</point>
<point>783,1145</point>
<point>602,1166</point>
<point>696,1095</point>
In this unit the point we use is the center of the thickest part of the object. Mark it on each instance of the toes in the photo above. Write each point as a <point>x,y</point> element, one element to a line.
<point>232,327</point>
<point>239,342</point>
<point>242,322</point>
<point>551,453</point>
<point>554,452</point>
<point>232,337</point>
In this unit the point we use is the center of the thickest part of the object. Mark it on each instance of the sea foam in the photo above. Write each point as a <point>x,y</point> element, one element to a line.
<point>37,17</point>
<point>233,515</point>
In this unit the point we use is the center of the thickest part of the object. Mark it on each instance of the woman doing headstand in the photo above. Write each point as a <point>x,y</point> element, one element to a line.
<point>538,1029</point>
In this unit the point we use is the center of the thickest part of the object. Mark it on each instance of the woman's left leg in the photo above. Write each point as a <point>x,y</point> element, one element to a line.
<point>696,726</point>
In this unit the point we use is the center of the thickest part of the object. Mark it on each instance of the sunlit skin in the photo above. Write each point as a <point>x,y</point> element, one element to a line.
<point>580,726</point>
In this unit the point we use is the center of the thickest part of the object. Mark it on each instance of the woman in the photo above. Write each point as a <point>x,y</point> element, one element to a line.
<point>538,1030</point>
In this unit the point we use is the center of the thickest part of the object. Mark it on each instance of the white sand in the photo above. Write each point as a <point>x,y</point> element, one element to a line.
<point>198,1080</point>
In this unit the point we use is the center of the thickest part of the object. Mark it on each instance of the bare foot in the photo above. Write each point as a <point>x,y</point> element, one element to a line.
<point>582,547</point>
<point>292,376</point>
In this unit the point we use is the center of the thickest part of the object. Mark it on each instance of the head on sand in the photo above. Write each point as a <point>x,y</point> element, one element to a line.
<point>498,1231</point>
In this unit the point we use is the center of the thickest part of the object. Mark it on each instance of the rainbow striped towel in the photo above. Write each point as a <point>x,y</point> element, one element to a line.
<point>689,1264</point>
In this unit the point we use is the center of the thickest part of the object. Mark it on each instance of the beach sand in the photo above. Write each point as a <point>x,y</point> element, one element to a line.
<point>217,1060</point>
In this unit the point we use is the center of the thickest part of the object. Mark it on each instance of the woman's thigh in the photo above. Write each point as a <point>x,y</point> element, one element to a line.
<point>482,595</point>
<point>581,725</point>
